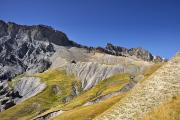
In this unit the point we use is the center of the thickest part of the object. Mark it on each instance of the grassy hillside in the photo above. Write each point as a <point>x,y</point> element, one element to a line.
<point>89,112</point>
<point>167,111</point>
<point>105,87</point>
<point>44,100</point>
<point>51,100</point>
<point>159,87</point>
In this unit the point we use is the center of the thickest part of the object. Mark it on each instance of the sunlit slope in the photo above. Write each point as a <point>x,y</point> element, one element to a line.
<point>80,109</point>
<point>77,105</point>
<point>90,111</point>
<point>59,96</point>
<point>161,86</point>
<point>167,111</point>
<point>59,87</point>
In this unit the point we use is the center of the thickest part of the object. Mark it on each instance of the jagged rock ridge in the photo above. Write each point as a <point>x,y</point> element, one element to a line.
<point>137,52</point>
<point>27,48</point>
<point>36,48</point>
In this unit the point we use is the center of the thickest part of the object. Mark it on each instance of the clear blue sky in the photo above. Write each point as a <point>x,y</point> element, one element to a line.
<point>151,24</point>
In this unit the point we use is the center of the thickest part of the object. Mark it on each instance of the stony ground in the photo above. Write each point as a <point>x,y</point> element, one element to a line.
<point>158,88</point>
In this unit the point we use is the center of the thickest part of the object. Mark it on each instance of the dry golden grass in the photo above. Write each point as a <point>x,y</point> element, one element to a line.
<point>44,100</point>
<point>167,111</point>
<point>105,87</point>
<point>89,112</point>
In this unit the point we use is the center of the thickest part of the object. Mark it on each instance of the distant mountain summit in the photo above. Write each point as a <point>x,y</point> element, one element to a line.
<point>45,75</point>
<point>28,48</point>
<point>140,53</point>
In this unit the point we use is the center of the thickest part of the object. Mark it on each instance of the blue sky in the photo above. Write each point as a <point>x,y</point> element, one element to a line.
<point>151,24</point>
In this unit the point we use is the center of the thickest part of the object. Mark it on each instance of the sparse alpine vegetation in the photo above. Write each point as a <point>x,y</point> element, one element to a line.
<point>45,76</point>
<point>162,86</point>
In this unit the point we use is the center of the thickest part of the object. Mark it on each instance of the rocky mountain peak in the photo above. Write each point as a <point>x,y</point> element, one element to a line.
<point>27,48</point>
<point>139,52</point>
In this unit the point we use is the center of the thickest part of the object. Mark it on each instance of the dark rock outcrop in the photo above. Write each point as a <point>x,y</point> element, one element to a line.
<point>23,89</point>
<point>27,48</point>
<point>137,52</point>
<point>7,96</point>
<point>141,53</point>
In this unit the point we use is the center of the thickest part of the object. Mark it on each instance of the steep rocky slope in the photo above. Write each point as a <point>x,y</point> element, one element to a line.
<point>136,52</point>
<point>27,48</point>
<point>58,91</point>
<point>28,87</point>
<point>50,76</point>
<point>19,90</point>
<point>92,102</point>
<point>7,96</point>
<point>158,88</point>
<point>91,73</point>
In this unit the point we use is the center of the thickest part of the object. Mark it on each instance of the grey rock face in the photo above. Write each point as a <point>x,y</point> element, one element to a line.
<point>23,89</point>
<point>137,52</point>
<point>90,73</point>
<point>7,96</point>
<point>159,59</point>
<point>141,53</point>
<point>28,87</point>
<point>27,48</point>
<point>50,115</point>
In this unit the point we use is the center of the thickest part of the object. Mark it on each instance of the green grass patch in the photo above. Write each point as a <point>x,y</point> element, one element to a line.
<point>89,112</point>
<point>104,87</point>
<point>44,100</point>
<point>47,101</point>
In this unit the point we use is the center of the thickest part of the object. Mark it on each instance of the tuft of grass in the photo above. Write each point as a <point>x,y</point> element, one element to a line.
<point>166,111</point>
<point>44,100</point>
<point>89,112</point>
